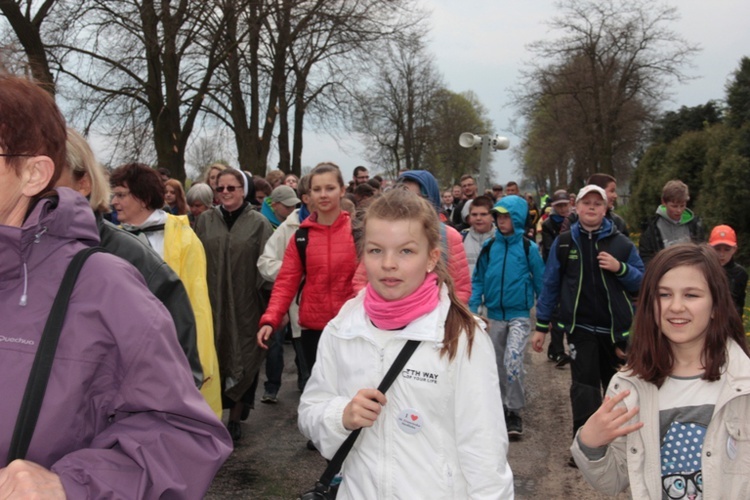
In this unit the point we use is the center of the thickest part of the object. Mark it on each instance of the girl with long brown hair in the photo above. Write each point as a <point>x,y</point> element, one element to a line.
<point>674,422</point>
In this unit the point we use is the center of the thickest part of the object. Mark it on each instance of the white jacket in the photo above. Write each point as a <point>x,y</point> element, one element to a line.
<point>460,449</point>
<point>634,460</point>
<point>269,262</point>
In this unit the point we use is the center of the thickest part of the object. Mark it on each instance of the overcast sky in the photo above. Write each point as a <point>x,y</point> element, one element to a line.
<point>479,45</point>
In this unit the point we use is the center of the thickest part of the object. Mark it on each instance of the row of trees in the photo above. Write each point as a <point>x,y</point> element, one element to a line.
<point>708,148</point>
<point>589,97</point>
<point>154,76</point>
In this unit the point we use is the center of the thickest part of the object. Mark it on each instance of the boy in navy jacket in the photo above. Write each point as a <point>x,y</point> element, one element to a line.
<point>591,272</point>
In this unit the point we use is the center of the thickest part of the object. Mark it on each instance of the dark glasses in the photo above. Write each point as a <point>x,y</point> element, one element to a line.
<point>231,189</point>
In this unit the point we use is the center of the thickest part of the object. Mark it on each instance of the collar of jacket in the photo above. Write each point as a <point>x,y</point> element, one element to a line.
<point>352,322</point>
<point>606,229</point>
<point>60,218</point>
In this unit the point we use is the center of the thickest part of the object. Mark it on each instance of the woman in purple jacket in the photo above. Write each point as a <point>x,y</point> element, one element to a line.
<point>121,416</point>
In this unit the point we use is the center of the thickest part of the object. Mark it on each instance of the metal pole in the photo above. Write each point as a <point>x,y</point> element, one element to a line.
<point>483,174</point>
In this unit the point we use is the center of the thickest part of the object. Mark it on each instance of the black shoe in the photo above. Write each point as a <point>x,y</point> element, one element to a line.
<point>562,360</point>
<point>311,445</point>
<point>235,430</point>
<point>572,462</point>
<point>514,424</point>
<point>269,398</point>
<point>246,412</point>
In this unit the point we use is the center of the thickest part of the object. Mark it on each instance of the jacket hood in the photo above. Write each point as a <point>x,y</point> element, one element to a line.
<point>686,216</point>
<point>312,220</point>
<point>427,182</point>
<point>268,212</point>
<point>518,210</point>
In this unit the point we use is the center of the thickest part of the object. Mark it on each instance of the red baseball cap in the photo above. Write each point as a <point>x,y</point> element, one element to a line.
<point>723,235</point>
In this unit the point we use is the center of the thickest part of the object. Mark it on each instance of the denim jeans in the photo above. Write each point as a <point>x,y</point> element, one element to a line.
<point>275,361</point>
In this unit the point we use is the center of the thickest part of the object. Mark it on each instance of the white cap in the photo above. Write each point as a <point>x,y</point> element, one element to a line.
<point>591,188</point>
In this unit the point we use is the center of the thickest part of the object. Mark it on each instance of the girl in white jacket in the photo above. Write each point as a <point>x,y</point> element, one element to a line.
<point>674,422</point>
<point>439,432</point>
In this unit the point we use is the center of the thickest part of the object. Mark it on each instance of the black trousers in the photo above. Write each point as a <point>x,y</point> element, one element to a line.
<point>593,364</point>
<point>310,339</point>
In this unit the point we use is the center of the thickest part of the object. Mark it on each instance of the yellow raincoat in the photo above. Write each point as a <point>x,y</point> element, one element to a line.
<point>184,253</point>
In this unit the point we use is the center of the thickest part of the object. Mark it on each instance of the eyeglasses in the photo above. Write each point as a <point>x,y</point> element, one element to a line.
<point>230,189</point>
<point>118,195</point>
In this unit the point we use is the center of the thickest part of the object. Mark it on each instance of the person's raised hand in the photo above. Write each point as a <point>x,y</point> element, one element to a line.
<point>22,479</point>
<point>537,341</point>
<point>363,409</point>
<point>607,262</point>
<point>264,333</point>
<point>608,423</point>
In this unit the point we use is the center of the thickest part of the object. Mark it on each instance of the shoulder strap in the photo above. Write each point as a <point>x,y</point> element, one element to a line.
<point>36,386</point>
<point>564,240</point>
<point>334,466</point>
<point>301,239</point>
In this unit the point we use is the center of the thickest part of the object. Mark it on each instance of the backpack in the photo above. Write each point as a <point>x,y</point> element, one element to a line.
<point>526,245</point>
<point>301,236</point>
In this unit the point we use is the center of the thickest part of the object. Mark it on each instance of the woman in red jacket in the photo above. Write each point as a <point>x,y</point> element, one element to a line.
<point>330,262</point>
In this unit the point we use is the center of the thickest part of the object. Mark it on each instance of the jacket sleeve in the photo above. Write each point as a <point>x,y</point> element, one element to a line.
<point>284,288</point>
<point>631,273</point>
<point>269,263</point>
<point>321,408</point>
<point>549,297</point>
<point>458,266</point>
<point>160,439</point>
<point>481,437</point>
<point>477,280</point>
<point>647,244</point>
<point>537,269</point>
<point>609,474</point>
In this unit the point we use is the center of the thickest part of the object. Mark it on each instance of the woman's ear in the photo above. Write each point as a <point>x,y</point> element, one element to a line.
<point>38,172</point>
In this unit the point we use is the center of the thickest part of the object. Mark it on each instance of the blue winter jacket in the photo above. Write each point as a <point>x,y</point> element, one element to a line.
<point>564,287</point>
<point>505,277</point>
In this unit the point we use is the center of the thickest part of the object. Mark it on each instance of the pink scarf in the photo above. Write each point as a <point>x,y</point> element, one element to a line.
<point>392,315</point>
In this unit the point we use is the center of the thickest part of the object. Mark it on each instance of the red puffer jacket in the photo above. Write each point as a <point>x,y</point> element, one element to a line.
<point>331,261</point>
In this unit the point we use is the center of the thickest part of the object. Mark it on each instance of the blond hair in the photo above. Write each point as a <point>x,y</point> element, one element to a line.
<point>400,204</point>
<point>81,160</point>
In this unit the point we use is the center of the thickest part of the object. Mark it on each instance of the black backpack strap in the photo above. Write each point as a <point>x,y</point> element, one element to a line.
<point>301,239</point>
<point>334,466</point>
<point>564,240</point>
<point>36,386</point>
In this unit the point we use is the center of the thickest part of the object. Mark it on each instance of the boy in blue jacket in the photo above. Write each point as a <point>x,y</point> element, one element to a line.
<point>507,275</point>
<point>591,272</point>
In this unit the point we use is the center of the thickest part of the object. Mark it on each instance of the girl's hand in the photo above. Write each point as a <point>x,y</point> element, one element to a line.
<point>263,335</point>
<point>608,423</point>
<point>607,262</point>
<point>537,341</point>
<point>363,409</point>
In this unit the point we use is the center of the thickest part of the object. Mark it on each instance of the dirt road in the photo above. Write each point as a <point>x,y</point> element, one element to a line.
<point>272,461</point>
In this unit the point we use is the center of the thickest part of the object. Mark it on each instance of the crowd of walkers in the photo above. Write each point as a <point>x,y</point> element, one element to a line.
<point>196,292</point>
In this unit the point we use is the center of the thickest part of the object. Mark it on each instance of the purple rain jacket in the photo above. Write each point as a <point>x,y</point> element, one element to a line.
<point>121,417</point>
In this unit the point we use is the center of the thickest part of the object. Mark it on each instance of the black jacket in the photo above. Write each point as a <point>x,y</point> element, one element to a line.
<point>737,277</point>
<point>161,281</point>
<point>651,241</point>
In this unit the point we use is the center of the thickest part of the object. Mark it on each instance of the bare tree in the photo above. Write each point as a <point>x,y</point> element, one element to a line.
<point>393,115</point>
<point>592,92</point>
